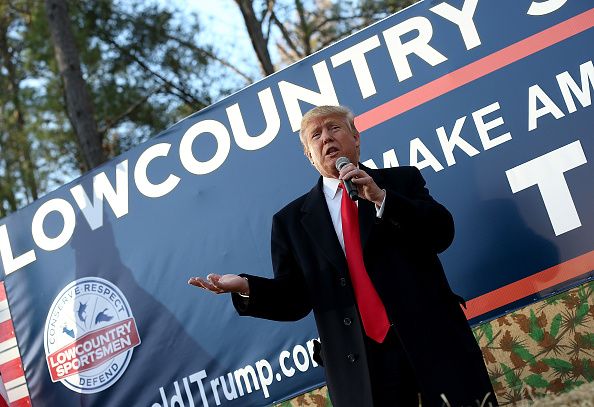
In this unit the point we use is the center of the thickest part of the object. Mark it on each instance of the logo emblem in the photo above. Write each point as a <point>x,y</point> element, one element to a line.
<point>89,335</point>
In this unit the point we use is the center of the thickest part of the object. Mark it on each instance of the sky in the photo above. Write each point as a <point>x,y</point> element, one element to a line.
<point>224,28</point>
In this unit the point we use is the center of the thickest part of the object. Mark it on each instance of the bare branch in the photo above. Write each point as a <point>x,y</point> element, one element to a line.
<point>211,56</point>
<point>188,98</point>
<point>286,35</point>
<point>111,123</point>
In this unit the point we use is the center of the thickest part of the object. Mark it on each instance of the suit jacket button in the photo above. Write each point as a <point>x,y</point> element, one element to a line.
<point>347,321</point>
<point>351,358</point>
<point>343,282</point>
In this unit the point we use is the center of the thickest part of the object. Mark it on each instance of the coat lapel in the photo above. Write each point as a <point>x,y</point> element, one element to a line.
<point>317,223</point>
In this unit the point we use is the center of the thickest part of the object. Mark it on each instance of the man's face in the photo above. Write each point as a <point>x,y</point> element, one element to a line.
<point>328,138</point>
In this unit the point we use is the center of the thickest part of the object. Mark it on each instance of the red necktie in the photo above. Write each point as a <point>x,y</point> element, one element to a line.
<point>372,310</point>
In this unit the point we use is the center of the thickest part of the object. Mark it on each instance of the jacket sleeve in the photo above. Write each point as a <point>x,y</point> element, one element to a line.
<point>284,297</point>
<point>418,214</point>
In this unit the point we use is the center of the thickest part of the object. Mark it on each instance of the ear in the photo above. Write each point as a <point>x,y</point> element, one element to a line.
<point>308,155</point>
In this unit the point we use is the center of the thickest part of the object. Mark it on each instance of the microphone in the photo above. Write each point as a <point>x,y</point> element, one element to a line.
<point>348,185</point>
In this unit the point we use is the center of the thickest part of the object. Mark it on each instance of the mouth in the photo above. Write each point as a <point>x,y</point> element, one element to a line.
<point>332,151</point>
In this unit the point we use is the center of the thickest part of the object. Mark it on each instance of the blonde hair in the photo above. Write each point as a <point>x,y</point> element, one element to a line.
<point>324,111</point>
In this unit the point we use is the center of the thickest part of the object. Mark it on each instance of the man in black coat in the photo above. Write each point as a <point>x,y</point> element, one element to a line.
<point>428,352</point>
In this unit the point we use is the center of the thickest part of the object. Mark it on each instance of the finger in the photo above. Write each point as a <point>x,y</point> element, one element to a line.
<point>352,174</point>
<point>361,178</point>
<point>214,279</point>
<point>195,281</point>
<point>346,169</point>
<point>207,285</point>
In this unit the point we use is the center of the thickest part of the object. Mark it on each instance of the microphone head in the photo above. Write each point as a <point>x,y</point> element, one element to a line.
<point>341,162</point>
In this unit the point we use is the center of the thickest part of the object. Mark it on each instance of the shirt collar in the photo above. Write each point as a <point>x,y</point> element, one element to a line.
<point>330,187</point>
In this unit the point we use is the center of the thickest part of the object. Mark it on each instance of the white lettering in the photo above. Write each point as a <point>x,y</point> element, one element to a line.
<point>547,172</point>
<point>535,93</point>
<point>418,45</point>
<point>356,55</point>
<point>483,128</point>
<point>297,351</point>
<point>9,262</point>
<point>455,140</point>
<point>265,379</point>
<point>417,147</point>
<point>118,201</point>
<point>145,187</point>
<point>219,131</point>
<point>463,19</point>
<point>292,94</point>
<point>545,7</point>
<point>284,355</point>
<point>197,378</point>
<point>63,208</point>
<point>273,123</point>
<point>569,87</point>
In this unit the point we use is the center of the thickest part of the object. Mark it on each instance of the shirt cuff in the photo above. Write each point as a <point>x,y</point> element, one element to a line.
<point>379,211</point>
<point>243,295</point>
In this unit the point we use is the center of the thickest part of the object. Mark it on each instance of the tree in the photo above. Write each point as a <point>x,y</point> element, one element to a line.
<point>301,28</point>
<point>257,36</point>
<point>18,172</point>
<point>79,105</point>
<point>143,67</point>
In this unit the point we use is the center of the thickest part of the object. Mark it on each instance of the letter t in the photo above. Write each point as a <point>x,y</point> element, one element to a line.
<point>547,171</point>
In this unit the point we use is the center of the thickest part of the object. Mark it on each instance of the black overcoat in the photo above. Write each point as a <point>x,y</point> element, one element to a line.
<point>400,253</point>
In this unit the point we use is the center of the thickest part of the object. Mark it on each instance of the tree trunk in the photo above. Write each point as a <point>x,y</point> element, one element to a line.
<point>78,101</point>
<point>254,27</point>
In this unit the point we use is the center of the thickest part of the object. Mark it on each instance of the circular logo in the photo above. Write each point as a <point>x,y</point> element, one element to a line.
<point>89,335</point>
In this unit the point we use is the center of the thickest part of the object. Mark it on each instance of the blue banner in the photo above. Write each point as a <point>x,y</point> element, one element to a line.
<point>491,100</point>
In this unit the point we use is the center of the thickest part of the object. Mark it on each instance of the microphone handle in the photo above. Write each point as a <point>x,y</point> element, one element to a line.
<point>351,190</point>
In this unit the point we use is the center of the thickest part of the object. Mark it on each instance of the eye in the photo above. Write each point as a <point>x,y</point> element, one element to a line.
<point>335,127</point>
<point>315,135</point>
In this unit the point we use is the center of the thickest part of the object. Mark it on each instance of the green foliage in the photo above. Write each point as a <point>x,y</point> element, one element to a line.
<point>487,330</point>
<point>522,352</point>
<point>536,380</point>
<point>536,331</point>
<point>581,312</point>
<point>587,369</point>
<point>588,339</point>
<point>511,378</point>
<point>562,367</point>
<point>556,324</point>
<point>583,293</point>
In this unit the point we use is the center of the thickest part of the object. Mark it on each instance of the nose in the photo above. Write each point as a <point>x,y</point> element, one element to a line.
<point>326,136</point>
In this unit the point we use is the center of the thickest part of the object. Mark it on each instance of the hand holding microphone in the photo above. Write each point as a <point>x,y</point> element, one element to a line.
<point>348,184</point>
<point>356,181</point>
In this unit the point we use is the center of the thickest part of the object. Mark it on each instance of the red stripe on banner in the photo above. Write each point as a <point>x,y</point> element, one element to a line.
<point>2,291</point>
<point>6,330</point>
<point>11,370</point>
<point>475,70</point>
<point>530,285</point>
<point>24,402</point>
